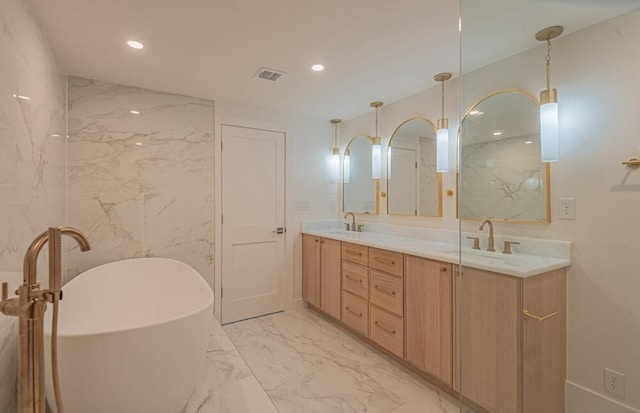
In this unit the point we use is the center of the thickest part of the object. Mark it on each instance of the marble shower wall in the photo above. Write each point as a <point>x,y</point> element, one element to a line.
<point>140,184</point>
<point>32,158</point>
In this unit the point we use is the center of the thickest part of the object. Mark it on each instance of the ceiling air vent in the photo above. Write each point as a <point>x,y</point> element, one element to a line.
<point>268,74</point>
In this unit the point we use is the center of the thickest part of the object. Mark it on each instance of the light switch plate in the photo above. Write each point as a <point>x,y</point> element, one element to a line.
<point>567,208</point>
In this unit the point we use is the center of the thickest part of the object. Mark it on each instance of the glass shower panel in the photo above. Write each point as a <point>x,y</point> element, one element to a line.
<point>546,321</point>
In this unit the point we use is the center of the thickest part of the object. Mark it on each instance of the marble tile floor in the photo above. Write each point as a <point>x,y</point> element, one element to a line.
<point>298,362</point>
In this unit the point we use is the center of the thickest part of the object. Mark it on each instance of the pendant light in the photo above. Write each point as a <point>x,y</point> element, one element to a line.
<point>335,153</point>
<point>442,140</point>
<point>376,149</point>
<point>347,167</point>
<point>549,103</point>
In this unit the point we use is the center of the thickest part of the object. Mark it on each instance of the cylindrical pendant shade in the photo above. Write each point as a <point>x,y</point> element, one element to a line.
<point>347,168</point>
<point>335,166</point>
<point>376,155</point>
<point>549,132</point>
<point>442,150</point>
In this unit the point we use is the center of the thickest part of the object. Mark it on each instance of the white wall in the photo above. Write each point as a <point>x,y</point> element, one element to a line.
<point>597,74</point>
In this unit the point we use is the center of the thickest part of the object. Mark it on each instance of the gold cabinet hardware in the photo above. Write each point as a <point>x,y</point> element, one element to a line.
<point>353,312</point>
<point>528,314</point>
<point>384,328</point>
<point>351,252</point>
<point>349,277</point>
<point>385,290</point>
<point>385,261</point>
<point>633,163</point>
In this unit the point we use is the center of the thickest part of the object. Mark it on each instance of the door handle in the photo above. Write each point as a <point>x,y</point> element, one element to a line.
<point>279,230</point>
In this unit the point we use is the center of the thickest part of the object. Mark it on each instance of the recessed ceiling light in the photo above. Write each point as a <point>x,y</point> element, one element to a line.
<point>476,112</point>
<point>317,68</point>
<point>134,112</point>
<point>135,44</point>
<point>528,142</point>
<point>497,133</point>
<point>55,135</point>
<point>138,143</point>
<point>22,97</point>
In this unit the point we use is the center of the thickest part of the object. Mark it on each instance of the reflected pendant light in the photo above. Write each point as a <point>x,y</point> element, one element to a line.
<point>549,103</point>
<point>335,153</point>
<point>347,167</point>
<point>442,140</point>
<point>376,149</point>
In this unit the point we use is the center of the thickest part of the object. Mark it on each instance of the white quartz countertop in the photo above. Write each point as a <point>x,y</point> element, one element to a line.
<point>516,264</point>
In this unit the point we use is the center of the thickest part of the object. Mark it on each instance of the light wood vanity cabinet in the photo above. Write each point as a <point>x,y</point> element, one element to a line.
<point>321,274</point>
<point>429,317</point>
<point>513,363</point>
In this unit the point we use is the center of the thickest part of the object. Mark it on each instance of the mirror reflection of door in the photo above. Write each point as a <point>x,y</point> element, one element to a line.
<point>359,188</point>
<point>414,186</point>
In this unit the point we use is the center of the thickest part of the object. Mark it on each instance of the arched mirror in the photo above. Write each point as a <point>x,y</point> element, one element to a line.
<point>359,189</point>
<point>413,185</point>
<point>501,175</point>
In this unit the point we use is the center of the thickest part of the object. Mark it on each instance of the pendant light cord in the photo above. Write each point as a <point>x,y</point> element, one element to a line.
<point>548,63</point>
<point>376,122</point>
<point>442,99</point>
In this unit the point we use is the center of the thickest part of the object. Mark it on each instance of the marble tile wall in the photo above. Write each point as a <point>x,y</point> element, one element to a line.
<point>140,184</point>
<point>32,156</point>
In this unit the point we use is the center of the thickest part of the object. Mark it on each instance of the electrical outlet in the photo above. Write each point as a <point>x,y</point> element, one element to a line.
<point>614,383</point>
<point>567,208</point>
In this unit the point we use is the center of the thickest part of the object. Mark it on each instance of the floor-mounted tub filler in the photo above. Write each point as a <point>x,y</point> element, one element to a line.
<point>131,337</point>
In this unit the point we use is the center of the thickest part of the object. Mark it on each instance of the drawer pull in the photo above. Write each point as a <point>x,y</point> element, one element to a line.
<point>385,261</point>
<point>385,290</point>
<point>528,314</point>
<point>353,311</point>
<point>349,277</point>
<point>443,269</point>
<point>385,328</point>
<point>352,252</point>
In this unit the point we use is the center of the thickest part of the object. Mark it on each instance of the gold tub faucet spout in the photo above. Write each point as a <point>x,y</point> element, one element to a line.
<point>29,307</point>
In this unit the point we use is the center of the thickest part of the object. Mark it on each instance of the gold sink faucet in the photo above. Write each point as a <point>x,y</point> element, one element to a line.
<point>490,247</point>
<point>353,221</point>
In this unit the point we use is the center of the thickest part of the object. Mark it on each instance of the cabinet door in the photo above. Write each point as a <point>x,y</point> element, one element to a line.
<point>311,270</point>
<point>330,277</point>
<point>456,328</point>
<point>490,344</point>
<point>544,349</point>
<point>428,332</point>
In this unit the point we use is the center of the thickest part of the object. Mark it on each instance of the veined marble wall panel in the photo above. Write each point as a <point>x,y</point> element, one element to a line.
<point>140,184</point>
<point>32,157</point>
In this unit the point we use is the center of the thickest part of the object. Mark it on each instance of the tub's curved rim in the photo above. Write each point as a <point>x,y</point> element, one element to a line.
<point>208,304</point>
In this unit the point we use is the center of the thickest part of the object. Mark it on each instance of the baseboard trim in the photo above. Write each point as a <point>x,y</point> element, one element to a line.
<point>299,304</point>
<point>582,400</point>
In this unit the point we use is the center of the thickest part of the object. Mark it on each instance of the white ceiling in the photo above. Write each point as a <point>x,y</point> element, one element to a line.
<point>372,49</point>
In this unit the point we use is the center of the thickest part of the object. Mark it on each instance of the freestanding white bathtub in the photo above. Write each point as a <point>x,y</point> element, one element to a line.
<point>132,336</point>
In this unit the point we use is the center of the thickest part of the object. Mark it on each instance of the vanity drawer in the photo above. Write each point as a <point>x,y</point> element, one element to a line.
<point>387,330</point>
<point>386,292</point>
<point>387,261</point>
<point>355,313</point>
<point>355,279</point>
<point>355,253</point>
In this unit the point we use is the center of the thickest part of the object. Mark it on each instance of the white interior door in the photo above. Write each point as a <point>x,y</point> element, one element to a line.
<point>403,182</point>
<point>252,212</point>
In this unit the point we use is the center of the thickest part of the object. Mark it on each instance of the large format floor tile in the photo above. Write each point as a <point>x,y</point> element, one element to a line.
<point>307,364</point>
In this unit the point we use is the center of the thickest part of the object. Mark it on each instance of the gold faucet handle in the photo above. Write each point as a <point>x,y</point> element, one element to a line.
<point>5,291</point>
<point>476,242</point>
<point>507,246</point>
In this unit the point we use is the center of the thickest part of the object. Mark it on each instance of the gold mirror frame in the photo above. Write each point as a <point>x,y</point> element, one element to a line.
<point>377,193</point>
<point>547,166</point>
<point>433,127</point>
